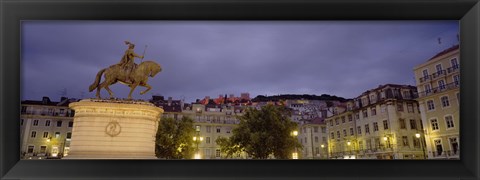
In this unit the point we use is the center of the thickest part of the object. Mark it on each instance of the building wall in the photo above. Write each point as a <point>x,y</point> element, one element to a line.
<point>213,124</point>
<point>312,137</point>
<point>42,120</point>
<point>375,118</point>
<point>441,118</point>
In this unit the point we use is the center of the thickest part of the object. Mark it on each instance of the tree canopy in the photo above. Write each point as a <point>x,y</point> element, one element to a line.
<point>174,138</point>
<point>263,132</point>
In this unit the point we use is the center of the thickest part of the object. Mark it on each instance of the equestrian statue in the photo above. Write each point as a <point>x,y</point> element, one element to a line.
<point>127,72</point>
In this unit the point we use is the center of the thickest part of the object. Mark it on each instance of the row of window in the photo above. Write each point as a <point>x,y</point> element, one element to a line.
<point>373,112</point>
<point>374,98</point>
<point>385,124</point>
<point>441,84</point>
<point>453,62</point>
<point>444,100</point>
<point>33,134</point>
<point>47,123</point>
<point>377,144</point>
<point>305,140</point>
<point>448,121</point>
<point>315,129</point>
<point>218,129</point>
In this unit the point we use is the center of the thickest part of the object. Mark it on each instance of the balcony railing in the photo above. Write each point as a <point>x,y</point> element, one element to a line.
<point>439,89</point>
<point>445,154</point>
<point>47,114</point>
<point>440,74</point>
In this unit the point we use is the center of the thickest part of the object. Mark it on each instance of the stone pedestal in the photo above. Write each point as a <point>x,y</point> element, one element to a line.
<point>114,129</point>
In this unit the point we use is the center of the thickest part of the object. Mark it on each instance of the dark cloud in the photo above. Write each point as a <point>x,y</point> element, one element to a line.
<point>208,58</point>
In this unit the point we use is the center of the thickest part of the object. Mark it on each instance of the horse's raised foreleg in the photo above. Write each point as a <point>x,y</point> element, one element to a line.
<point>132,87</point>
<point>146,90</point>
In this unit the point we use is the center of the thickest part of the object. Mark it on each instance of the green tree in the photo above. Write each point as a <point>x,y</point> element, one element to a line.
<point>262,133</point>
<point>174,138</point>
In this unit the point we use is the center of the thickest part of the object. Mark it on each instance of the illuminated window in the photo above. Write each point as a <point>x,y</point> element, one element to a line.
<point>57,134</point>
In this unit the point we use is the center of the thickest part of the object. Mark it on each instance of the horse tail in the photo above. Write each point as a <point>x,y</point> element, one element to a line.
<point>97,80</point>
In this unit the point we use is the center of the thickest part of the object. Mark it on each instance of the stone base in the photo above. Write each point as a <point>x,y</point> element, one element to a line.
<point>114,129</point>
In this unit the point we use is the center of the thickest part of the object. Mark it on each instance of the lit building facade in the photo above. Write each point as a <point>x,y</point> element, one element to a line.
<point>381,123</point>
<point>211,121</point>
<point>45,128</point>
<point>314,139</point>
<point>438,83</point>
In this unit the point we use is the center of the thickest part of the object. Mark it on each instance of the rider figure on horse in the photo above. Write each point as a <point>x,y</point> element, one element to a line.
<point>128,60</point>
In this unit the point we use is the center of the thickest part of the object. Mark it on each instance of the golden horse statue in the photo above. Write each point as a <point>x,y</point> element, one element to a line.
<point>116,73</point>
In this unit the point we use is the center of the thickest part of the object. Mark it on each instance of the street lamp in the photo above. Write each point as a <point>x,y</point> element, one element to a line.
<point>417,135</point>
<point>323,150</point>
<point>385,138</point>
<point>295,154</point>
<point>197,139</point>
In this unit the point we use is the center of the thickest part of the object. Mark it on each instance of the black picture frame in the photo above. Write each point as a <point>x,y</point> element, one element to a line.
<point>14,11</point>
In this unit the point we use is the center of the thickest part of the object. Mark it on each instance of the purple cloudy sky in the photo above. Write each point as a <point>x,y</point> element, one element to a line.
<point>208,58</point>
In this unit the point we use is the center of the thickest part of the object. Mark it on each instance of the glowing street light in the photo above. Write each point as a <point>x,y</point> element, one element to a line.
<point>295,154</point>
<point>417,135</point>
